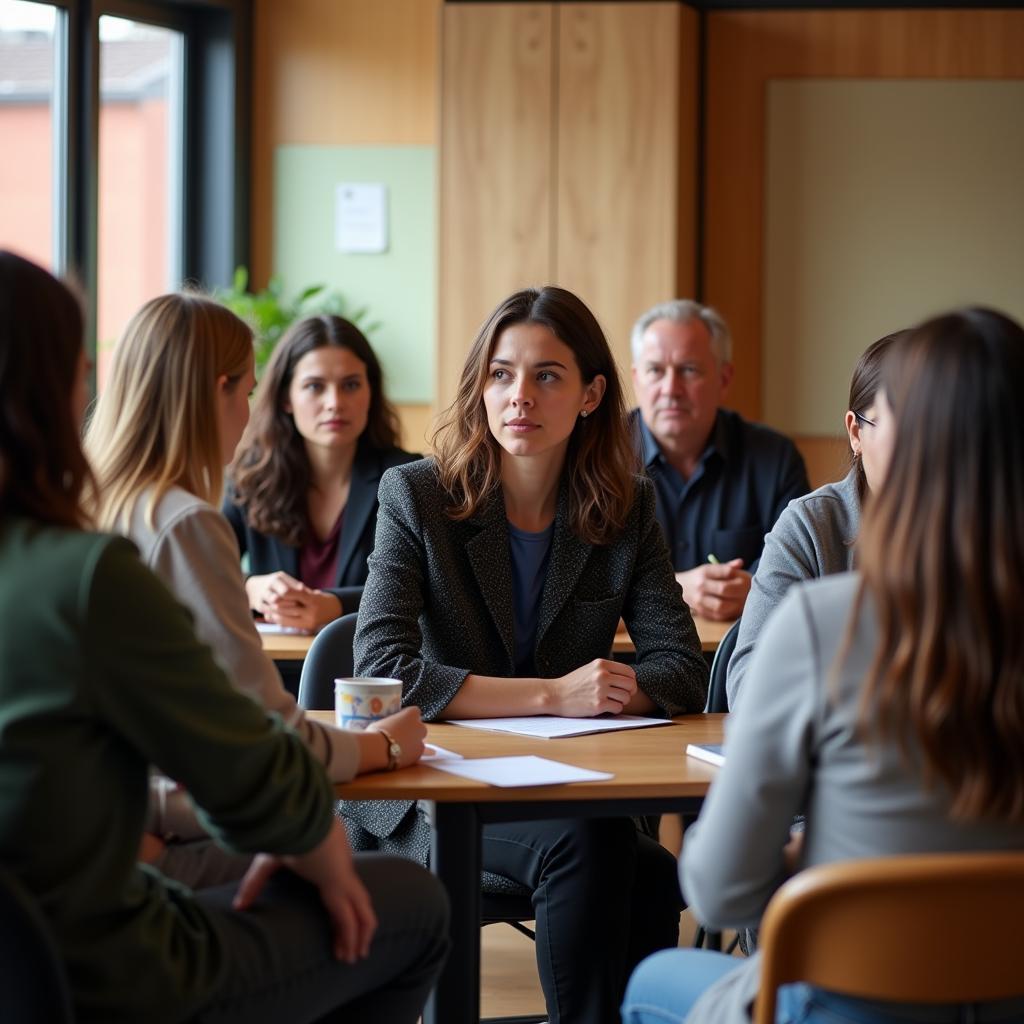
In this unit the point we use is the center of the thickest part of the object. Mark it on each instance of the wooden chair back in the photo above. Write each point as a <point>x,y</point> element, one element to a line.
<point>928,928</point>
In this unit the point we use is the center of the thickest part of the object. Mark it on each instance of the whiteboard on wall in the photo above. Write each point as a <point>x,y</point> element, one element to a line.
<point>885,201</point>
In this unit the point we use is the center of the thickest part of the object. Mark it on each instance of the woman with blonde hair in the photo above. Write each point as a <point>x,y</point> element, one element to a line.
<point>102,675</point>
<point>169,419</point>
<point>885,704</point>
<point>500,571</point>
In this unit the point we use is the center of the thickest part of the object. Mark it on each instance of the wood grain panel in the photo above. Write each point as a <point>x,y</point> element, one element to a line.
<point>337,72</point>
<point>688,165</point>
<point>827,458</point>
<point>347,72</point>
<point>747,49</point>
<point>496,167</point>
<point>618,159</point>
<point>417,425</point>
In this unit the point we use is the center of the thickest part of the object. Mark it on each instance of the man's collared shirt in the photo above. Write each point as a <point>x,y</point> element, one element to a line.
<point>746,476</point>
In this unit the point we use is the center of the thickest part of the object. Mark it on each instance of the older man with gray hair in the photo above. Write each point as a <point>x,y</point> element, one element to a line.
<point>721,481</point>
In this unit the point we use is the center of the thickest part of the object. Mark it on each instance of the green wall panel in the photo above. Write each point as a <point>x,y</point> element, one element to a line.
<point>400,285</point>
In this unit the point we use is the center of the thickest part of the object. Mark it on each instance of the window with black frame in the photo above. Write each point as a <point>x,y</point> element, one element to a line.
<point>125,147</point>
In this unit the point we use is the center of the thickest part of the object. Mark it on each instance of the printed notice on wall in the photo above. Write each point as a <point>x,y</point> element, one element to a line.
<point>360,217</point>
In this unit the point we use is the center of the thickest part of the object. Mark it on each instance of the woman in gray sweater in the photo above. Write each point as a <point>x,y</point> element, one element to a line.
<point>815,534</point>
<point>886,705</point>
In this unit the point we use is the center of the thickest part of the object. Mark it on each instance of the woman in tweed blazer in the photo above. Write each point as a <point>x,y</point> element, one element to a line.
<point>500,571</point>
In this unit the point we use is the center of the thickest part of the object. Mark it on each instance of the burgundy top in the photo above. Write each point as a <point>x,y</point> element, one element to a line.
<point>318,559</point>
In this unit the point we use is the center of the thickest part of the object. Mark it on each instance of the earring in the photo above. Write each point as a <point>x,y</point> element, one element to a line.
<point>583,413</point>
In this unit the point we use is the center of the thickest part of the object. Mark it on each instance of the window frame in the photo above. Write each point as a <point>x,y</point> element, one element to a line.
<point>215,137</point>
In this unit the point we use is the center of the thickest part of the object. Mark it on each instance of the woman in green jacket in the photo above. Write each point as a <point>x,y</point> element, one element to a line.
<point>101,676</point>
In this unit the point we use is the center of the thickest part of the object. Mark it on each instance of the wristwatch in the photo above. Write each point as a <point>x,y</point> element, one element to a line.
<point>394,748</point>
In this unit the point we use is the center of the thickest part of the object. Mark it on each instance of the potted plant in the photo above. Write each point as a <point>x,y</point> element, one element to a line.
<point>270,314</point>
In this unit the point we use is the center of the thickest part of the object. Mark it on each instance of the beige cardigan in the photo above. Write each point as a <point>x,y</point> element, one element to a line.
<point>192,548</point>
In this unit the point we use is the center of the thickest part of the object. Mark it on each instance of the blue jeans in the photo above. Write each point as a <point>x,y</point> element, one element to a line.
<point>664,988</point>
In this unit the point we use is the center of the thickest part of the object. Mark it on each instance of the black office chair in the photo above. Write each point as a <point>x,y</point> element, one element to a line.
<point>718,704</point>
<point>718,700</point>
<point>512,905</point>
<point>33,986</point>
<point>330,657</point>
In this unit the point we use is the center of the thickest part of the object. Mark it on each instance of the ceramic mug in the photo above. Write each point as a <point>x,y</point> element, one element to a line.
<point>360,702</point>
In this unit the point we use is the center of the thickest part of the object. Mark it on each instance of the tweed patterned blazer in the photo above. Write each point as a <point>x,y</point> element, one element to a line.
<point>438,605</point>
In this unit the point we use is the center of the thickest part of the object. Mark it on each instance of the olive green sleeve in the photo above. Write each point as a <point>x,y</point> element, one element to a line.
<point>252,778</point>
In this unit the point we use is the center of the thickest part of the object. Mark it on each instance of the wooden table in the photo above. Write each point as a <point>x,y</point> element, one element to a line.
<point>286,646</point>
<point>292,647</point>
<point>651,775</point>
<point>709,632</point>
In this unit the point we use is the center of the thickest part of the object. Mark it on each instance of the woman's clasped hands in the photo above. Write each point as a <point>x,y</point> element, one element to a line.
<point>282,599</point>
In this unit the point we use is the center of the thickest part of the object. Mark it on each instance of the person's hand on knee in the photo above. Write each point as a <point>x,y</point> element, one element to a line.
<point>330,867</point>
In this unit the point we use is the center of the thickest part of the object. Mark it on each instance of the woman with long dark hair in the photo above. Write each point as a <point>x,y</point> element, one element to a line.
<point>500,571</point>
<point>888,704</point>
<point>101,675</point>
<point>303,495</point>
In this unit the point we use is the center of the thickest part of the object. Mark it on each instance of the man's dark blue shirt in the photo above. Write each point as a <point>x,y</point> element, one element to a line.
<point>746,476</point>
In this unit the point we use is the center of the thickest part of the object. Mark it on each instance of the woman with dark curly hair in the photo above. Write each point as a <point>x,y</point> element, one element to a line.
<point>303,497</point>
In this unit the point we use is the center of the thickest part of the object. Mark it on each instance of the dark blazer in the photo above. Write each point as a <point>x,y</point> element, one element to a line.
<point>438,605</point>
<point>747,475</point>
<point>270,554</point>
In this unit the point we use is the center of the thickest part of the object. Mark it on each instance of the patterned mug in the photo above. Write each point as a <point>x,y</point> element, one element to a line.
<point>360,702</point>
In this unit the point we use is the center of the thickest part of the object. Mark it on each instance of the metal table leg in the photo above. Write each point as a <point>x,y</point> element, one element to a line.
<point>455,859</point>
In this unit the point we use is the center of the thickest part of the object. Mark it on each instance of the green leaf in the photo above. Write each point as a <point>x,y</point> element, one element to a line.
<point>269,313</point>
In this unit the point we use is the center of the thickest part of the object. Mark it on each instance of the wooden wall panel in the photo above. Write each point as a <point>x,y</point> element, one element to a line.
<point>826,458</point>
<point>417,426</point>
<point>688,162</point>
<point>497,108</point>
<point>617,236</point>
<point>337,72</point>
<point>745,50</point>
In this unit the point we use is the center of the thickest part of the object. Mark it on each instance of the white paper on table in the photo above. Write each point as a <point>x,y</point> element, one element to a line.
<point>440,754</point>
<point>273,627</point>
<point>550,727</point>
<point>519,771</point>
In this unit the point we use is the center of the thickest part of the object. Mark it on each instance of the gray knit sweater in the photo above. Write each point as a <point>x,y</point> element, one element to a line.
<point>813,537</point>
